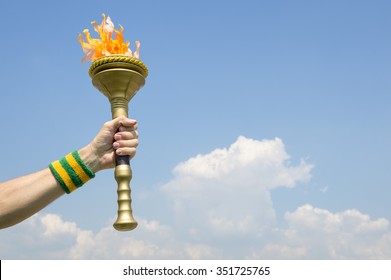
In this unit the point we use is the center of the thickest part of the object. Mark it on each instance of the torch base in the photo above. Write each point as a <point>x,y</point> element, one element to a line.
<point>125,226</point>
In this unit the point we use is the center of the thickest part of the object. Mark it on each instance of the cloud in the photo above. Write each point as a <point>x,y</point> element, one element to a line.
<point>312,233</point>
<point>36,238</point>
<point>245,163</point>
<point>315,233</point>
<point>54,226</point>
<point>225,194</point>
<point>110,244</point>
<point>217,205</point>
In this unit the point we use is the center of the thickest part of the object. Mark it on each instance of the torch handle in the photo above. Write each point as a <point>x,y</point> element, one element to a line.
<point>123,176</point>
<point>125,220</point>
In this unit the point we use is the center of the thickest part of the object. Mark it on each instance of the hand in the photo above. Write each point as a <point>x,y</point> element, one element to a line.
<point>118,136</point>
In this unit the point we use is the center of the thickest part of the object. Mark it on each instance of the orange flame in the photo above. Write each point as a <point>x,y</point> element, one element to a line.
<point>106,45</point>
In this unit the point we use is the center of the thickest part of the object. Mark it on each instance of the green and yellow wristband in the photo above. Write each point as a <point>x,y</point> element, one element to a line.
<point>71,172</point>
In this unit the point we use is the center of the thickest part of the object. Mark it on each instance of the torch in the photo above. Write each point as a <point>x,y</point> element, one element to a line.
<point>118,74</point>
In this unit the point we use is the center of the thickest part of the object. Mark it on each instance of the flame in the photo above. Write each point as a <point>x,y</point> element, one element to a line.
<point>105,45</point>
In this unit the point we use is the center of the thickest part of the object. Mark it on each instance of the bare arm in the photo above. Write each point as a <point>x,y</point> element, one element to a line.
<point>24,196</point>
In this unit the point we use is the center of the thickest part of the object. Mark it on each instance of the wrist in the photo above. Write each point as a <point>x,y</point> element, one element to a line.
<point>71,172</point>
<point>90,158</point>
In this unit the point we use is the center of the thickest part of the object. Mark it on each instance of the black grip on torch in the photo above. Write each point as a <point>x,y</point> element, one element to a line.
<point>122,160</point>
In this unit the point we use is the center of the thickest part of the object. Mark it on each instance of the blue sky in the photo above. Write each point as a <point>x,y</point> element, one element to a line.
<point>261,121</point>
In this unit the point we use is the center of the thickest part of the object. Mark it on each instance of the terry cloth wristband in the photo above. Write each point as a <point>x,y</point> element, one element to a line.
<point>71,172</point>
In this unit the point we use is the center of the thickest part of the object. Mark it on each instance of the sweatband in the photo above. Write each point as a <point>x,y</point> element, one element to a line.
<point>71,172</point>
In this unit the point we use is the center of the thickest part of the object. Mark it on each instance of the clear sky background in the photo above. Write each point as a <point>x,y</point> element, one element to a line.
<point>264,129</point>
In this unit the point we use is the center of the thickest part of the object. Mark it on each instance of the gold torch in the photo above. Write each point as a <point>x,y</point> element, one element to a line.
<point>118,74</point>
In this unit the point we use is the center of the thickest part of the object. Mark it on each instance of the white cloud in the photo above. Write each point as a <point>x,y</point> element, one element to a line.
<point>315,233</point>
<point>54,226</point>
<point>245,163</point>
<point>36,239</point>
<point>226,193</point>
<point>308,218</point>
<point>219,206</point>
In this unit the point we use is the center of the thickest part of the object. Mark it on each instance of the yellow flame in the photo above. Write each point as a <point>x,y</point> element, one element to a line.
<point>105,45</point>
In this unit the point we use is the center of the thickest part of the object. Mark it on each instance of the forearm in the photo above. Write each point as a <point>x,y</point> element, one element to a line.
<point>22,197</point>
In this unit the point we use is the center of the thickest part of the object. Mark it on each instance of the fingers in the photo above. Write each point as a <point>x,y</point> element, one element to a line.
<point>120,144</point>
<point>125,123</point>
<point>117,123</point>
<point>126,139</point>
<point>126,135</point>
<point>126,147</point>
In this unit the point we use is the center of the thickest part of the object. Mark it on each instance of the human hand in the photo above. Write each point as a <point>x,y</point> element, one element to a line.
<point>118,136</point>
